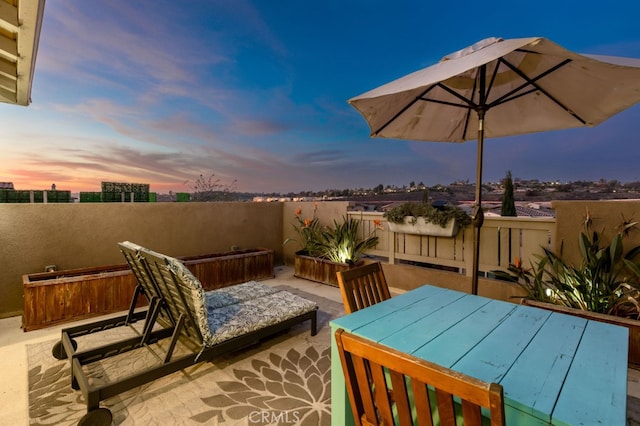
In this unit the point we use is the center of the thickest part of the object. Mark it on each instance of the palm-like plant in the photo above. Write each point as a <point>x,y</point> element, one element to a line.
<point>344,244</point>
<point>607,280</point>
<point>531,280</point>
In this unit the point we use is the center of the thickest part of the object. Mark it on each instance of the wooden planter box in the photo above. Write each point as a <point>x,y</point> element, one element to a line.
<point>55,297</point>
<point>234,267</point>
<point>424,228</point>
<point>632,325</point>
<point>318,269</point>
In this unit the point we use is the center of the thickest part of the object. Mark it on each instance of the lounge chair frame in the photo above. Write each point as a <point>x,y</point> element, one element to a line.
<point>168,308</point>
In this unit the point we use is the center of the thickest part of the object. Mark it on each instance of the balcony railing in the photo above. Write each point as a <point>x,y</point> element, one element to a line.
<point>502,240</point>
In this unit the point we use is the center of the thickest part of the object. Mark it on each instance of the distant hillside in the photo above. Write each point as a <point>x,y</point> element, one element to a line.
<point>456,194</point>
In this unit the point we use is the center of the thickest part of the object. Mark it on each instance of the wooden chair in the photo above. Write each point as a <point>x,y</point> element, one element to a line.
<point>376,381</point>
<point>363,286</point>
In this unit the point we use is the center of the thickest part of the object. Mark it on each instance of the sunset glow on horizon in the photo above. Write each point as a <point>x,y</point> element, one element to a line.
<point>256,93</point>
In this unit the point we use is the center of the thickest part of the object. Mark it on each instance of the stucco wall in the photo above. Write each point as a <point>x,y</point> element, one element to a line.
<point>84,235</point>
<point>605,216</point>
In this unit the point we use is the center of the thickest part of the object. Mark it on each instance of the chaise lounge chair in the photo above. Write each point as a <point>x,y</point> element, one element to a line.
<point>207,324</point>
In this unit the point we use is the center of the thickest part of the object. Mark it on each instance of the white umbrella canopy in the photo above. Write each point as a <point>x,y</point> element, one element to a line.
<point>500,88</point>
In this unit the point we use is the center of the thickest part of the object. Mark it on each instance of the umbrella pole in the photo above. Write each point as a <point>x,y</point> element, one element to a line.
<point>478,214</point>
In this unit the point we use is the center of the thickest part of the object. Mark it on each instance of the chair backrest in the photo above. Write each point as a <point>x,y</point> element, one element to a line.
<point>182,293</point>
<point>363,286</point>
<point>131,253</point>
<point>388,387</point>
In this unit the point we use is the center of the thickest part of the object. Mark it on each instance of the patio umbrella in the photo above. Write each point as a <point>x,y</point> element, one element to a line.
<point>499,88</point>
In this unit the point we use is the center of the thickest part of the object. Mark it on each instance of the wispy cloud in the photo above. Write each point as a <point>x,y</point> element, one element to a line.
<point>157,92</point>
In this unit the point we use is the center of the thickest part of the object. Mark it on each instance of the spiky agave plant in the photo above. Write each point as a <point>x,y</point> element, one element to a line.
<point>606,281</point>
<point>343,242</point>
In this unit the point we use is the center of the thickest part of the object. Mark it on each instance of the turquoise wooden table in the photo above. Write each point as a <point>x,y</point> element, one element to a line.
<point>555,368</point>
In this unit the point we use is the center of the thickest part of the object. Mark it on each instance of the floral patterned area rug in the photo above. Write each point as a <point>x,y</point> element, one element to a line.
<point>283,380</point>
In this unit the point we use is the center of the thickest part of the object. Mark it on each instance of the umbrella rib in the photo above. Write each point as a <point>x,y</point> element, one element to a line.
<point>493,79</point>
<point>399,113</point>
<point>532,82</point>
<point>469,102</point>
<point>528,81</point>
<point>468,114</point>
<point>519,95</point>
<point>436,101</point>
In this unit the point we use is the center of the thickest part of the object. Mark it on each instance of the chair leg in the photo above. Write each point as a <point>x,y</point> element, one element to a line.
<point>314,323</point>
<point>174,339</point>
<point>58,351</point>
<point>132,306</point>
<point>97,417</point>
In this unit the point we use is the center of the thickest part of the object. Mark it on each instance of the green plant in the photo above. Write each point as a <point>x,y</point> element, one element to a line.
<point>606,281</point>
<point>531,280</point>
<point>309,233</point>
<point>440,216</point>
<point>340,243</point>
<point>344,244</point>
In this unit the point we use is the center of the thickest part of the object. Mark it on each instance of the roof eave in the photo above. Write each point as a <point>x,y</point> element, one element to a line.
<point>20,26</point>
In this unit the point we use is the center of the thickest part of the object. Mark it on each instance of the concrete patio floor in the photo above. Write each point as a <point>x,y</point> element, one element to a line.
<point>13,355</point>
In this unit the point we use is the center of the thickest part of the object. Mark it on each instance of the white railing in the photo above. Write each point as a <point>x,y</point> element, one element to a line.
<point>502,240</point>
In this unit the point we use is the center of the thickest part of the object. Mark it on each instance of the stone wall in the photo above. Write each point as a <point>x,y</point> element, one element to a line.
<point>606,216</point>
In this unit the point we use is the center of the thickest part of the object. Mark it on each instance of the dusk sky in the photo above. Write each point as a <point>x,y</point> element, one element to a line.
<point>159,92</point>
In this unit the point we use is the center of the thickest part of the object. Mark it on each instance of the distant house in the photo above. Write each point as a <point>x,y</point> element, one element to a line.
<point>6,185</point>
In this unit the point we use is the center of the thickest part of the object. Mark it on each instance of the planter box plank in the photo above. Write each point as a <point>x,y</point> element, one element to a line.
<point>224,269</point>
<point>52,298</point>
<point>54,301</point>
<point>37,298</point>
<point>318,270</point>
<point>72,292</point>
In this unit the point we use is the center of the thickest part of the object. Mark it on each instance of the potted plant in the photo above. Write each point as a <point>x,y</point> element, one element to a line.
<point>343,243</point>
<point>327,250</point>
<point>604,287</point>
<point>425,219</point>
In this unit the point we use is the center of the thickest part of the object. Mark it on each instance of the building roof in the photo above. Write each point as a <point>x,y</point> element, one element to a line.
<point>523,211</point>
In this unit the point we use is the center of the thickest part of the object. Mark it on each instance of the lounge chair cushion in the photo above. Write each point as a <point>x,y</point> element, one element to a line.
<point>236,293</point>
<point>257,306</point>
<point>234,320</point>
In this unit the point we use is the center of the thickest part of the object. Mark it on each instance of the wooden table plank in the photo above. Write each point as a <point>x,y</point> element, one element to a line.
<point>533,382</point>
<point>433,320</point>
<point>595,389</point>
<point>496,353</point>
<point>387,308</point>
<point>448,348</point>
